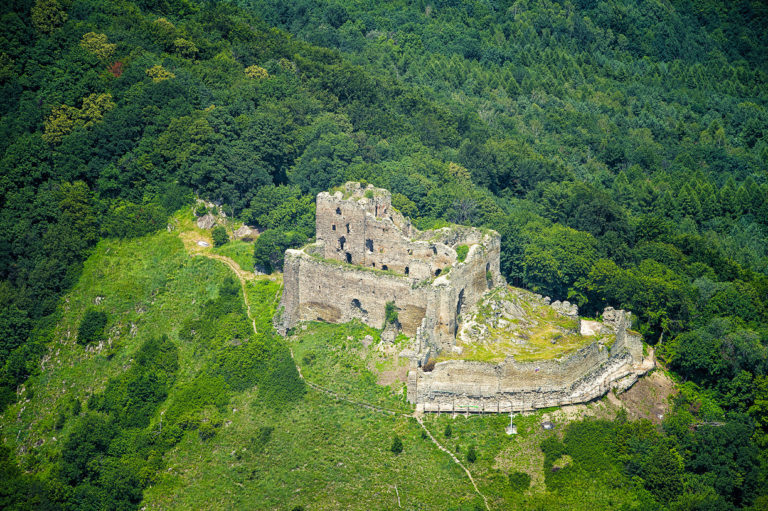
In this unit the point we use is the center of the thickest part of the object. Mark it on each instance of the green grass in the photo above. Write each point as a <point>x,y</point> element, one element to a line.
<point>239,251</point>
<point>500,455</point>
<point>321,454</point>
<point>148,287</point>
<point>543,334</point>
<point>335,357</point>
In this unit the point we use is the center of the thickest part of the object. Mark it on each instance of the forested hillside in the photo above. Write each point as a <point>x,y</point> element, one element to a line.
<point>619,147</point>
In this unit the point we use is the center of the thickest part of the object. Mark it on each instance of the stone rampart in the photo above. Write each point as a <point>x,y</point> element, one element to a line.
<point>584,375</point>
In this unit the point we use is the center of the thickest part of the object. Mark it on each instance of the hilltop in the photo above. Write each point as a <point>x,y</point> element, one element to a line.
<point>618,148</point>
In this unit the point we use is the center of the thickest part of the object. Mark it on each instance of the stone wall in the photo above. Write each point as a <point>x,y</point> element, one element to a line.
<point>367,254</point>
<point>511,385</point>
<point>318,290</point>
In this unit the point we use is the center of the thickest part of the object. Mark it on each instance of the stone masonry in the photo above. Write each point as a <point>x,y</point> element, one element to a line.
<point>368,254</point>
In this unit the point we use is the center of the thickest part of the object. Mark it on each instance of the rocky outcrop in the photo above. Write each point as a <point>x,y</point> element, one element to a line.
<point>207,221</point>
<point>245,233</point>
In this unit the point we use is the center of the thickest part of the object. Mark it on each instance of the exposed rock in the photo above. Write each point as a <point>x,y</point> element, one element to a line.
<point>206,221</point>
<point>245,232</point>
<point>566,307</point>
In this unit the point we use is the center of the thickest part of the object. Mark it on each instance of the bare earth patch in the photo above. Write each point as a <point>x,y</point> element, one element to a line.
<point>649,397</point>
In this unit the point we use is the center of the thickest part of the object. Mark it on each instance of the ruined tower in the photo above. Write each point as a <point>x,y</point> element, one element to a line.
<point>368,254</point>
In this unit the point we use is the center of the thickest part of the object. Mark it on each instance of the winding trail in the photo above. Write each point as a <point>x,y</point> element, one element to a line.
<point>244,276</point>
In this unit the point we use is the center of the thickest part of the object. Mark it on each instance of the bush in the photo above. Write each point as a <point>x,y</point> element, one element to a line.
<point>397,445</point>
<point>448,431</point>
<point>91,329</point>
<point>129,220</point>
<point>390,314</point>
<point>461,253</point>
<point>219,235</point>
<point>519,481</point>
<point>269,248</point>
<point>201,209</point>
<point>471,454</point>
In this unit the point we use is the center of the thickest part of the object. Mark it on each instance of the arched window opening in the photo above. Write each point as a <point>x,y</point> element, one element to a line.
<point>437,272</point>
<point>338,211</point>
<point>369,245</point>
<point>333,227</point>
<point>349,258</point>
<point>342,241</point>
<point>384,267</point>
<point>407,270</point>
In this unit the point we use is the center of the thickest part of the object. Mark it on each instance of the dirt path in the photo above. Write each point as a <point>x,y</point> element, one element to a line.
<point>243,277</point>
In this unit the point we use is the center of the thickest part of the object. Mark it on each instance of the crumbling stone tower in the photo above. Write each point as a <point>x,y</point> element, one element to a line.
<point>368,254</point>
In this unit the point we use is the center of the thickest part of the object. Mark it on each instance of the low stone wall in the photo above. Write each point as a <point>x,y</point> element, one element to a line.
<point>459,385</point>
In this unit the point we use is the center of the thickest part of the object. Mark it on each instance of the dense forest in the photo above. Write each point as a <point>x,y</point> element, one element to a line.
<point>619,147</point>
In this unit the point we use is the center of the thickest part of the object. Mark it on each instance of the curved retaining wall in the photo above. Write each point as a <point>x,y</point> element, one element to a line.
<point>459,385</point>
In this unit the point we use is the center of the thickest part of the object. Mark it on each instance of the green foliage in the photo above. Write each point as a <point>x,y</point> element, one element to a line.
<point>131,398</point>
<point>619,149</point>
<point>390,314</point>
<point>219,235</point>
<point>471,454</point>
<point>47,15</point>
<point>92,325</point>
<point>519,481</point>
<point>128,220</point>
<point>461,253</point>
<point>448,431</point>
<point>270,246</point>
<point>397,445</point>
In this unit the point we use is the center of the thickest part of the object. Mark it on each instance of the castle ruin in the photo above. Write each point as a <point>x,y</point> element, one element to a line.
<point>367,255</point>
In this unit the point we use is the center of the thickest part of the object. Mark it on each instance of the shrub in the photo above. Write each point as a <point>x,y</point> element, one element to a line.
<point>128,220</point>
<point>471,454</point>
<point>448,431</point>
<point>201,209</point>
<point>91,329</point>
<point>219,235</point>
<point>390,314</point>
<point>76,408</point>
<point>461,253</point>
<point>519,481</point>
<point>397,445</point>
